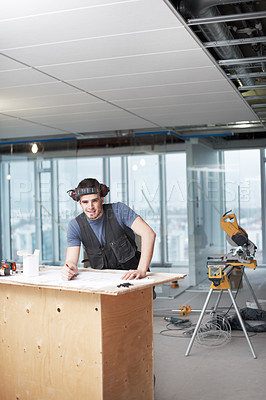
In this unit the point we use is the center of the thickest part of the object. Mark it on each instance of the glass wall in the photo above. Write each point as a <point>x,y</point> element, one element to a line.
<point>36,209</point>
<point>176,208</point>
<point>117,178</point>
<point>144,193</point>
<point>19,182</point>
<point>46,212</point>
<point>68,209</point>
<point>243,192</point>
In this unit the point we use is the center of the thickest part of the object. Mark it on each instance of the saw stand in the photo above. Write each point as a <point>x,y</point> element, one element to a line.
<point>224,286</point>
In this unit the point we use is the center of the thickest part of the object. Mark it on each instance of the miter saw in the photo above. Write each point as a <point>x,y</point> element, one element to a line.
<point>220,266</point>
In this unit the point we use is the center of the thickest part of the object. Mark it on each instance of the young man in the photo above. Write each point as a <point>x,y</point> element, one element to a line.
<point>107,232</point>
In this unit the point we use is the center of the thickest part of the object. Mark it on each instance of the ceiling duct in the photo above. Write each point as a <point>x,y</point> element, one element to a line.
<point>216,32</point>
<point>198,8</point>
<point>239,47</point>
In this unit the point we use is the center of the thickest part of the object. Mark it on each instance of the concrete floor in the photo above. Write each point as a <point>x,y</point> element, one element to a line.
<point>223,372</point>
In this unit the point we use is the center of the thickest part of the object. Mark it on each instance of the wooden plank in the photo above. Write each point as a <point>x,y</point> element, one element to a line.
<point>50,344</point>
<point>127,327</point>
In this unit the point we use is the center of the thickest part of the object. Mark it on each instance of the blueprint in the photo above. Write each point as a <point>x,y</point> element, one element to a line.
<point>85,279</point>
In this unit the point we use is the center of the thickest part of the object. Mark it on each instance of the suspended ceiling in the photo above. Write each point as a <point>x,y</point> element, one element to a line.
<point>80,69</point>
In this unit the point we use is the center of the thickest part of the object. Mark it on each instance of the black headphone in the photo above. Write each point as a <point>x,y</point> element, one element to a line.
<point>75,194</point>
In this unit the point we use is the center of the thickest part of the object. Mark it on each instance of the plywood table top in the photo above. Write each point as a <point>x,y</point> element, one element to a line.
<point>90,280</point>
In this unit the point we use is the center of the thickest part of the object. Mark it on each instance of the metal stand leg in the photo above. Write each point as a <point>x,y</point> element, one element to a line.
<point>241,322</point>
<point>218,301</point>
<point>199,322</point>
<point>252,291</point>
<point>216,305</point>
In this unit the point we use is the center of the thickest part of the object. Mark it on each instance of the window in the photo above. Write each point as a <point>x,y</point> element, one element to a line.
<point>20,185</point>
<point>118,185</point>
<point>89,167</point>
<point>176,200</point>
<point>144,193</point>
<point>46,212</point>
<point>36,208</point>
<point>243,192</point>
<point>68,209</point>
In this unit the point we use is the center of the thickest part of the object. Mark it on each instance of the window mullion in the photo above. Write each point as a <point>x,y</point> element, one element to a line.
<point>163,218</point>
<point>263,197</point>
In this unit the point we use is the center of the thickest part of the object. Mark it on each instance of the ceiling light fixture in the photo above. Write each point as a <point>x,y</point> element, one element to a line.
<point>34,148</point>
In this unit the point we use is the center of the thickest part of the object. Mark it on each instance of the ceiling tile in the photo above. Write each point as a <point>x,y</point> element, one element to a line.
<point>192,117</point>
<point>22,77</point>
<point>17,9</point>
<point>165,90</point>
<point>127,81</point>
<point>46,95</point>
<point>130,65</point>
<point>22,129</point>
<point>76,66</point>
<point>64,110</point>
<point>91,21</point>
<point>105,47</point>
<point>178,99</point>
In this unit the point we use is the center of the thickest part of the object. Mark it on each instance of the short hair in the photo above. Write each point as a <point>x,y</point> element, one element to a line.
<point>89,183</point>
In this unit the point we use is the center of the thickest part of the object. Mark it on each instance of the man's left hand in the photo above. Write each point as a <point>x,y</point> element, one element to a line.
<point>134,274</point>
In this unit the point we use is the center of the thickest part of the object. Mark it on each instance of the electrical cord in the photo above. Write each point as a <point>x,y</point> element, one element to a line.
<point>243,336</point>
<point>215,332</point>
<point>177,327</point>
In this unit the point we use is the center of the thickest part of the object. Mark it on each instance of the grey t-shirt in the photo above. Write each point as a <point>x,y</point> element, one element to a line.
<point>125,217</point>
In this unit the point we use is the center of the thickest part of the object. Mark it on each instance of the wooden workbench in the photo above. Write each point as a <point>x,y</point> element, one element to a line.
<point>72,341</point>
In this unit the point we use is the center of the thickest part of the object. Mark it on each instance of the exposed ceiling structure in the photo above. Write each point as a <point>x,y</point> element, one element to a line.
<point>113,69</point>
<point>235,34</point>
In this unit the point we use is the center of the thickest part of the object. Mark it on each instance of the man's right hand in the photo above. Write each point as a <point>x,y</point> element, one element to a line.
<point>69,271</point>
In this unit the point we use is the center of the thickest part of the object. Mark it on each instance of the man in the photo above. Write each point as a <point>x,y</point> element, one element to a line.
<point>107,232</point>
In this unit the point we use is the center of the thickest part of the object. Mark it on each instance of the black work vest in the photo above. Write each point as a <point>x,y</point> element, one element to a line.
<point>120,250</point>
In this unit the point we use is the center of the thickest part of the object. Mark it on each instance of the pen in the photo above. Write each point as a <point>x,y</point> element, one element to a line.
<point>75,275</point>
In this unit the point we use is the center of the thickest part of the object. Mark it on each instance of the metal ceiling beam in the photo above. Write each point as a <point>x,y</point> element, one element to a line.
<point>226,18</point>
<point>248,74</point>
<point>255,97</point>
<point>252,87</point>
<point>246,60</point>
<point>233,42</point>
<point>258,105</point>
